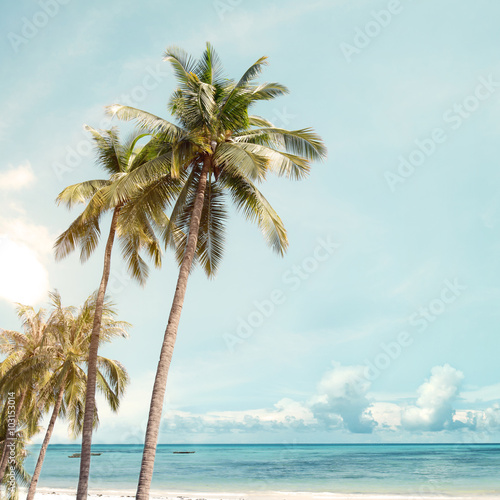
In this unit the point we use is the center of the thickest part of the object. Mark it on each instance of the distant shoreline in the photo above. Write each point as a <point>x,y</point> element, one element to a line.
<point>76,444</point>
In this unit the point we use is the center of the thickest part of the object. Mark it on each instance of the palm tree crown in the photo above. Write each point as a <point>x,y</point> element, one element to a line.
<point>118,160</point>
<point>214,126</point>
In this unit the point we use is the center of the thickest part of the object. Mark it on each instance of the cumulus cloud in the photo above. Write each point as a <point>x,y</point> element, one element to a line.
<point>387,415</point>
<point>15,178</point>
<point>342,392</point>
<point>492,417</point>
<point>286,414</point>
<point>342,402</point>
<point>434,407</point>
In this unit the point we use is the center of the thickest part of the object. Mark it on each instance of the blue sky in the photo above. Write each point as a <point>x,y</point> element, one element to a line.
<point>380,324</point>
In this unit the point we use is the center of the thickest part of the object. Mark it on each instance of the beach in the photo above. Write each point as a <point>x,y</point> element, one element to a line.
<point>52,494</point>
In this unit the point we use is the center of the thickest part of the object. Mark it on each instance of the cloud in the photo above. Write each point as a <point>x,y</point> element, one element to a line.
<point>342,391</point>
<point>16,178</point>
<point>23,245</point>
<point>387,415</point>
<point>23,248</point>
<point>434,407</point>
<point>492,416</point>
<point>35,236</point>
<point>286,414</point>
<point>341,403</point>
<point>23,278</point>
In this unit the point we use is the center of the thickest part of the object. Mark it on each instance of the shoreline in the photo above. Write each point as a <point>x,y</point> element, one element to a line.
<point>45,493</point>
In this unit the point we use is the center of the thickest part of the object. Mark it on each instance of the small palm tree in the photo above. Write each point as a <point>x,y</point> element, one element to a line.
<point>70,333</point>
<point>218,150</point>
<point>22,371</point>
<point>17,475</point>
<point>118,160</point>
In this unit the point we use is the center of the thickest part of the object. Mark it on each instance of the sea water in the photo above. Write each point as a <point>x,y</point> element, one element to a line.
<point>382,469</point>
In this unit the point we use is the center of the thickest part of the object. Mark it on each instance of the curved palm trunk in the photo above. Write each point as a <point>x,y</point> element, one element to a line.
<point>157,398</point>
<point>5,455</point>
<point>45,444</point>
<point>88,419</point>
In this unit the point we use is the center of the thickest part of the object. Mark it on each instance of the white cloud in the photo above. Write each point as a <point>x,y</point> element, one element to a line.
<point>342,391</point>
<point>387,415</point>
<point>16,178</point>
<point>35,236</point>
<point>23,247</point>
<point>492,416</point>
<point>434,408</point>
<point>342,403</point>
<point>286,414</point>
<point>23,278</point>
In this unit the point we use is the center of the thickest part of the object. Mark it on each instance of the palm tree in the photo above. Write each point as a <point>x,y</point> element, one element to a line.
<point>70,333</point>
<point>118,161</point>
<point>17,475</point>
<point>218,150</point>
<point>22,371</point>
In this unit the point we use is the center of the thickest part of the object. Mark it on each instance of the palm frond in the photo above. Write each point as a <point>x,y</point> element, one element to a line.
<point>81,192</point>
<point>211,235</point>
<point>241,159</point>
<point>254,206</point>
<point>146,121</point>
<point>209,67</point>
<point>108,149</point>
<point>181,61</point>
<point>250,74</point>
<point>303,142</point>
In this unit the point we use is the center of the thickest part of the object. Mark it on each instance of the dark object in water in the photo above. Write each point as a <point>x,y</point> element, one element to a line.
<point>183,452</point>
<point>78,455</point>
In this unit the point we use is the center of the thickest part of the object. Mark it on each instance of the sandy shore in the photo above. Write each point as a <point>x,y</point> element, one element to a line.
<point>56,494</point>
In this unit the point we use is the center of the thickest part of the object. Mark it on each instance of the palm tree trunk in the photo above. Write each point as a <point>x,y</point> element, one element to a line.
<point>45,444</point>
<point>88,419</point>
<point>157,398</point>
<point>5,454</point>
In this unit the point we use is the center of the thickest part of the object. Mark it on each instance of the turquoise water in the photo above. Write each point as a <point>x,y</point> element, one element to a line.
<point>381,469</point>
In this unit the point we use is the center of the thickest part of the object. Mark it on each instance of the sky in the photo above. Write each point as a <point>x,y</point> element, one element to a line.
<point>380,324</point>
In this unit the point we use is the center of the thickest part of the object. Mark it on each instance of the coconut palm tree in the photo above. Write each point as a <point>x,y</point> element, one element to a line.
<point>70,332</point>
<point>17,475</point>
<point>118,160</point>
<point>219,150</point>
<point>21,373</point>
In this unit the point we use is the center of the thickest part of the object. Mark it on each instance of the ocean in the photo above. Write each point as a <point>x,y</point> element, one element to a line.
<point>382,469</point>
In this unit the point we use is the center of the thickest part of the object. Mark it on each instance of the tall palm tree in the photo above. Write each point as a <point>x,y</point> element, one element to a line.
<point>218,150</point>
<point>118,160</point>
<point>70,333</point>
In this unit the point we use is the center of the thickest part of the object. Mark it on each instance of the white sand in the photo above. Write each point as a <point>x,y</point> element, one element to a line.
<point>56,494</point>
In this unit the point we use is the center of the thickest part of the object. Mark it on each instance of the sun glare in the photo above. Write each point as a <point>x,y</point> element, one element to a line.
<point>22,276</point>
